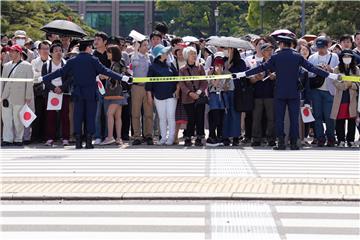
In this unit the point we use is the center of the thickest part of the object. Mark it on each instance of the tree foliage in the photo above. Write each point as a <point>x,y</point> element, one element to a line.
<point>198,17</point>
<point>30,16</point>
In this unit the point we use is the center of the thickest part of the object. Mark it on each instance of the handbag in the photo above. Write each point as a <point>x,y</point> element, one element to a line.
<point>203,98</point>
<point>318,81</point>
<point>113,90</point>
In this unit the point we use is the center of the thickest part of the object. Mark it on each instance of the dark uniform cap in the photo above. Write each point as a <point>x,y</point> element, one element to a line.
<point>266,46</point>
<point>86,42</point>
<point>285,39</point>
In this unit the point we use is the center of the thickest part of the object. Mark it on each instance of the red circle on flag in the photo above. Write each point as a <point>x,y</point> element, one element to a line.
<point>306,112</point>
<point>54,101</point>
<point>100,84</point>
<point>27,116</point>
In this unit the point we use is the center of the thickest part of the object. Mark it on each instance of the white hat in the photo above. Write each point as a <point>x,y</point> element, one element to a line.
<point>219,54</point>
<point>19,33</point>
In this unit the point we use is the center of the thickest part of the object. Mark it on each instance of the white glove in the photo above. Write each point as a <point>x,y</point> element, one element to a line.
<point>307,106</point>
<point>238,75</point>
<point>127,79</point>
<point>40,79</point>
<point>333,76</point>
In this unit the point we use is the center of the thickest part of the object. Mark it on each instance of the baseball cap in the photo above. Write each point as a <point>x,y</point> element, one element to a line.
<point>321,42</point>
<point>16,47</point>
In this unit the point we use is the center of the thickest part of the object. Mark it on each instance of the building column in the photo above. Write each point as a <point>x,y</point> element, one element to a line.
<point>82,8</point>
<point>115,18</point>
<point>148,17</point>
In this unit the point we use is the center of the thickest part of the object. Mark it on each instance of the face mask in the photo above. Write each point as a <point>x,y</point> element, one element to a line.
<point>226,53</point>
<point>347,61</point>
<point>21,42</point>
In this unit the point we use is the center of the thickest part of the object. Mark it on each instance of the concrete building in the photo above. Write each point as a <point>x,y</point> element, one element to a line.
<point>116,17</point>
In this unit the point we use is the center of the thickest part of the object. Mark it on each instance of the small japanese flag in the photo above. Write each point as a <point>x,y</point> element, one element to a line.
<point>306,114</point>
<point>100,86</point>
<point>54,101</point>
<point>26,115</point>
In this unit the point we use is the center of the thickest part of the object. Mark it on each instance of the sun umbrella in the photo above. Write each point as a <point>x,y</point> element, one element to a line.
<point>282,32</point>
<point>230,42</point>
<point>309,37</point>
<point>190,39</point>
<point>64,27</point>
<point>250,37</point>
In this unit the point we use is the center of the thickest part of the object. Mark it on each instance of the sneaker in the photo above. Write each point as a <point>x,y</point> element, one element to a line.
<point>211,142</point>
<point>330,143</point>
<point>320,143</point>
<point>294,147</point>
<point>169,142</point>
<point>351,144</point>
<point>149,141</point>
<point>235,142</point>
<point>341,144</point>
<point>18,144</point>
<point>49,143</point>
<point>161,142</point>
<point>226,142</point>
<point>6,144</point>
<point>97,141</point>
<point>136,142</point>
<point>314,142</point>
<point>198,142</point>
<point>188,142</point>
<point>65,142</point>
<point>119,142</point>
<point>246,140</point>
<point>108,141</point>
<point>256,144</point>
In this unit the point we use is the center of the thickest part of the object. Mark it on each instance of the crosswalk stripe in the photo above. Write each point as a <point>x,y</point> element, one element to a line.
<point>224,220</point>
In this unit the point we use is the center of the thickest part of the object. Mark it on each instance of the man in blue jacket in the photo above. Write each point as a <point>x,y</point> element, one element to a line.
<point>286,63</point>
<point>84,68</point>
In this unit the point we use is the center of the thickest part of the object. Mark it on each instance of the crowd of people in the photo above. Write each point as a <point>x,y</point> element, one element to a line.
<point>259,106</point>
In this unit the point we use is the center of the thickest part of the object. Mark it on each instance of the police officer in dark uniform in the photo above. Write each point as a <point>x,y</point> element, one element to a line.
<point>84,68</point>
<point>286,63</point>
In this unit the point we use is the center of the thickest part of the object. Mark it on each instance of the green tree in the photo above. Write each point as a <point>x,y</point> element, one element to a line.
<point>290,17</point>
<point>271,15</point>
<point>198,17</point>
<point>335,18</point>
<point>30,16</point>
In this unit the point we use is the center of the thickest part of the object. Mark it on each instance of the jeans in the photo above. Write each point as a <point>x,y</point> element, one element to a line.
<point>322,102</point>
<point>100,119</point>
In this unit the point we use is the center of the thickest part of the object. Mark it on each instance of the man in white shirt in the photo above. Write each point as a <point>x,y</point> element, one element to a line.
<point>39,105</point>
<point>322,96</point>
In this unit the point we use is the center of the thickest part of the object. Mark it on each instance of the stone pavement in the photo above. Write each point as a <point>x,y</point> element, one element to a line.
<point>217,188</point>
<point>179,173</point>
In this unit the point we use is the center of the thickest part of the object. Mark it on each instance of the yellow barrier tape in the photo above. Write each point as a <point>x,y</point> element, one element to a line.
<point>179,78</point>
<point>350,78</point>
<point>146,79</point>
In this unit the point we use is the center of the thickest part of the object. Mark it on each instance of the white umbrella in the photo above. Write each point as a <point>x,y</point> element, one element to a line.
<point>230,42</point>
<point>190,39</point>
<point>282,32</point>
